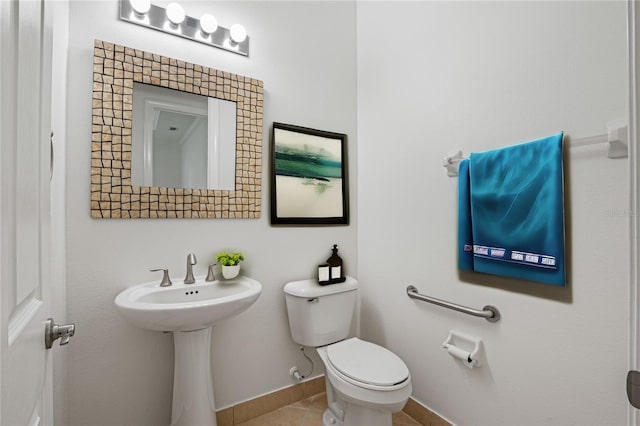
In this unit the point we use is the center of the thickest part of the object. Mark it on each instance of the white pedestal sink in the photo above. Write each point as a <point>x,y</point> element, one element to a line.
<point>189,311</point>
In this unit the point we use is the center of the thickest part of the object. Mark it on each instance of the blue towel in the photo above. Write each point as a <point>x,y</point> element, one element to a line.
<point>465,236</point>
<point>515,212</point>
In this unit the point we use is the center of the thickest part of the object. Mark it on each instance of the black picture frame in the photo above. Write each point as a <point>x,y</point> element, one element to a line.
<point>309,181</point>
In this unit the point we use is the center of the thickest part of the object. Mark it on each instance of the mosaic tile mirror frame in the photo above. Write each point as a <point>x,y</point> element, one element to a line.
<point>115,69</point>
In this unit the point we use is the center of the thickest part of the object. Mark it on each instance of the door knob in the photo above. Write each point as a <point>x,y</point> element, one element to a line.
<point>53,332</point>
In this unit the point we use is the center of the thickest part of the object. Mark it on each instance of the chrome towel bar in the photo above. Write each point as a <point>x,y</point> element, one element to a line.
<point>490,313</point>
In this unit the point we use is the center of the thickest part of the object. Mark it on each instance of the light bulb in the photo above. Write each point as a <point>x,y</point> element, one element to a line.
<point>140,7</point>
<point>238,33</point>
<point>175,13</point>
<point>208,24</point>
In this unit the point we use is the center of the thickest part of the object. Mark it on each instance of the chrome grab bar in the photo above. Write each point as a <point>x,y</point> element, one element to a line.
<point>490,313</point>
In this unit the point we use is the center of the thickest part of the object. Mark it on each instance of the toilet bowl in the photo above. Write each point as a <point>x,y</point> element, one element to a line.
<point>365,382</point>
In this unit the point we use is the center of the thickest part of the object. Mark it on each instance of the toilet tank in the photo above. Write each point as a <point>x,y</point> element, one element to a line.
<point>320,314</point>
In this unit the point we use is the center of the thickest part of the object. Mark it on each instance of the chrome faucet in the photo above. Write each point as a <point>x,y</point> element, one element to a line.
<point>191,260</point>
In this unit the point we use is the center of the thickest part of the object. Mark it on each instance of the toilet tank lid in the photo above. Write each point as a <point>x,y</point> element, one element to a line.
<point>311,288</point>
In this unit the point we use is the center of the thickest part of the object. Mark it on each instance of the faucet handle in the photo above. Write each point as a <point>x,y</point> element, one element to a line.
<point>166,281</point>
<point>210,275</point>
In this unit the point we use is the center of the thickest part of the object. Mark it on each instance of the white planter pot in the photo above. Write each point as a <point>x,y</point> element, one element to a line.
<point>230,271</point>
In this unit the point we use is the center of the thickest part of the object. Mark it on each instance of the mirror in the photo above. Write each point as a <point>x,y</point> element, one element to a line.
<point>182,140</point>
<point>116,188</point>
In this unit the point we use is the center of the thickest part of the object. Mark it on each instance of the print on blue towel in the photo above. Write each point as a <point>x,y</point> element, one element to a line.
<point>511,212</point>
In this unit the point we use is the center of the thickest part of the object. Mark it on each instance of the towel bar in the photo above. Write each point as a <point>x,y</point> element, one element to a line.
<point>616,137</point>
<point>490,313</point>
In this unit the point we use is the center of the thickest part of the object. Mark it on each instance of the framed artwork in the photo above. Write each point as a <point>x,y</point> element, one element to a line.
<point>308,176</point>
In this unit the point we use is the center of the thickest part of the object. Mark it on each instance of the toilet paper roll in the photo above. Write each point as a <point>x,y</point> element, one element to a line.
<point>458,353</point>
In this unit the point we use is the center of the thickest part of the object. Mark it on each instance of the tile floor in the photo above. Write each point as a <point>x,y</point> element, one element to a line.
<point>308,412</point>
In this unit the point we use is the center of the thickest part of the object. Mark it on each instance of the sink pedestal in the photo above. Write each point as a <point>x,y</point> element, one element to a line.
<point>193,403</point>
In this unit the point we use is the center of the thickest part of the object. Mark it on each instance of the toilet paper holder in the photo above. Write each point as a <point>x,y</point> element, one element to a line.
<point>471,351</point>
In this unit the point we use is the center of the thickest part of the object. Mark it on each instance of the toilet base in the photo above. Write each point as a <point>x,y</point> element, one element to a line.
<point>329,419</point>
<point>356,415</point>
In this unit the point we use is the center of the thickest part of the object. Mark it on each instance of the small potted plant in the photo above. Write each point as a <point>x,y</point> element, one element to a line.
<point>230,263</point>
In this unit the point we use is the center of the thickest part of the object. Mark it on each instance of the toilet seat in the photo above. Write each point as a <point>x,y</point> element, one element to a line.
<point>367,365</point>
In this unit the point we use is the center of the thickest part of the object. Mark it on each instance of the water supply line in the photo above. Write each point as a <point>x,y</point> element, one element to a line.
<point>296,374</point>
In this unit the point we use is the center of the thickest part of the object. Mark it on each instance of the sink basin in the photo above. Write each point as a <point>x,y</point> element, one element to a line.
<point>186,307</point>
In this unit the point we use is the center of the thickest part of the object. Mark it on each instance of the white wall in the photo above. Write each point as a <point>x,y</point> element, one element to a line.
<point>122,375</point>
<point>477,76</point>
<point>474,76</point>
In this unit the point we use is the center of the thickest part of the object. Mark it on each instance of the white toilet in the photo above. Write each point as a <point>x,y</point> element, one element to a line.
<point>366,383</point>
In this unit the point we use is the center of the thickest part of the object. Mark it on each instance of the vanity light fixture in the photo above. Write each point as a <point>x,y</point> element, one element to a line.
<point>174,20</point>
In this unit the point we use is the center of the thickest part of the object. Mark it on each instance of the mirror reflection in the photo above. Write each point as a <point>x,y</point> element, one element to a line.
<point>182,140</point>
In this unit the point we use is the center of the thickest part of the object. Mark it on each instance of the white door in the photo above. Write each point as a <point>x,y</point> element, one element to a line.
<point>25,126</point>
<point>633,378</point>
